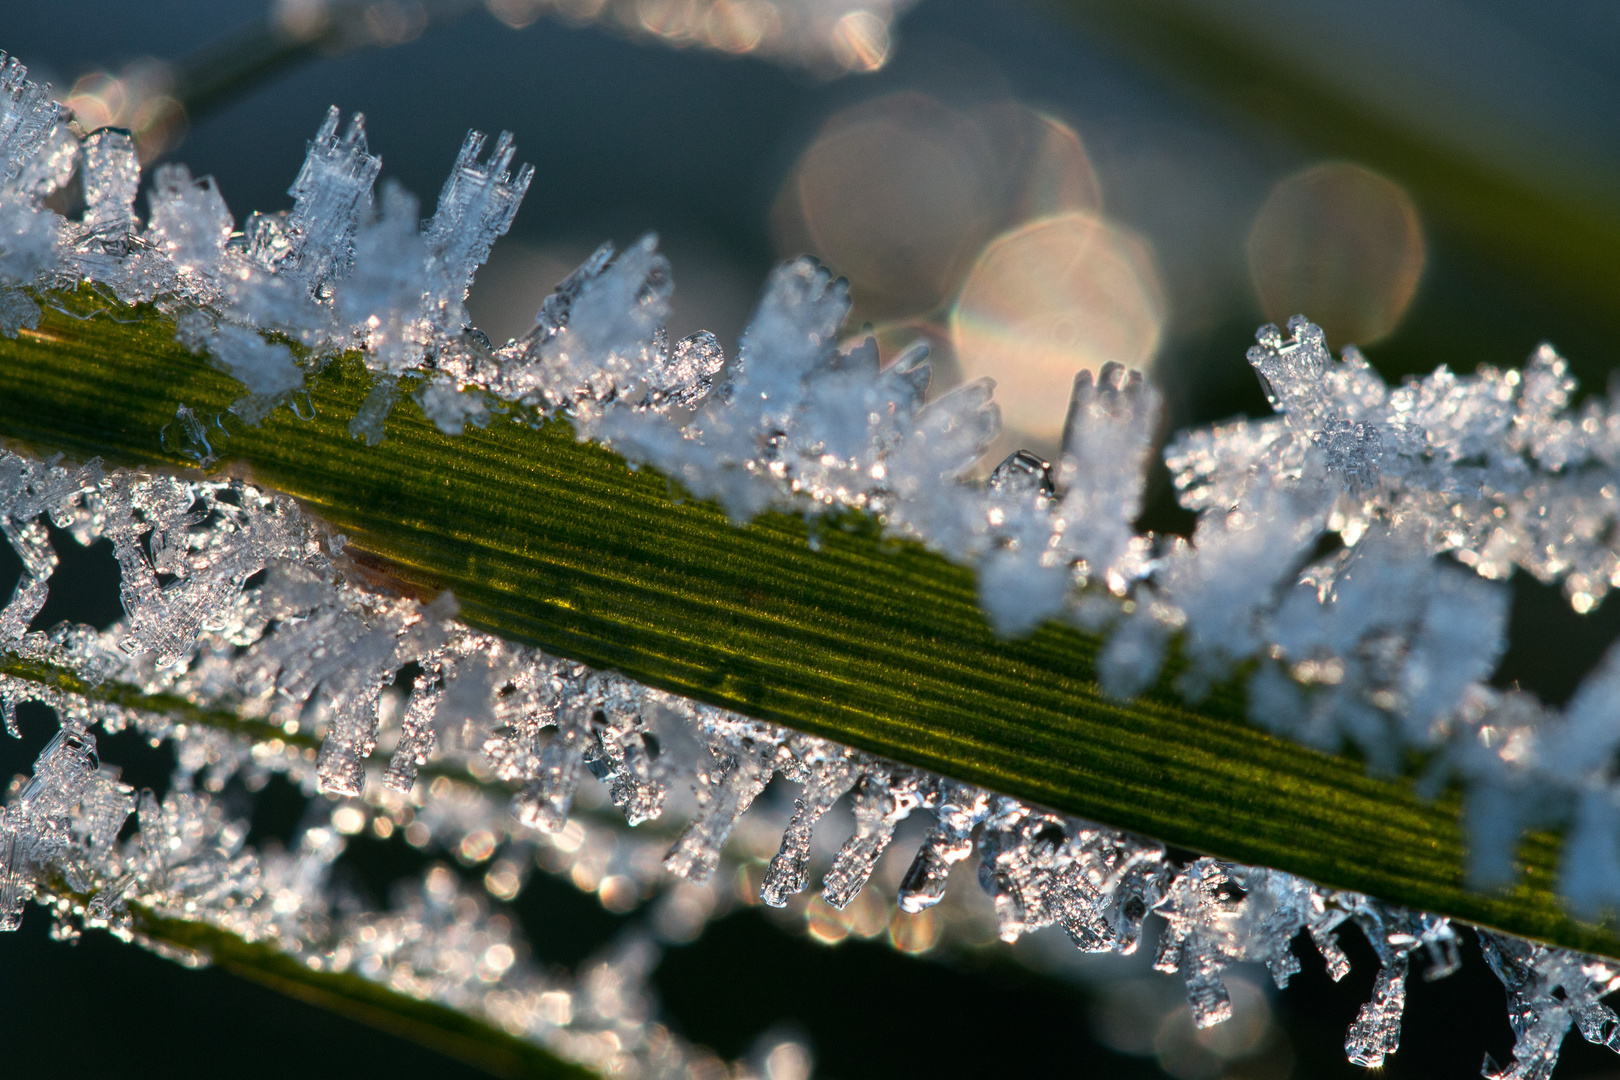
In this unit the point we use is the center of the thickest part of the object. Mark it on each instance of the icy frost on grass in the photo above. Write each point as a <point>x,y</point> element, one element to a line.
<point>1384,642</point>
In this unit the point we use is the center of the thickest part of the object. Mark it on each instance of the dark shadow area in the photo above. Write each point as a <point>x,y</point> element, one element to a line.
<point>869,1011</point>
<point>1448,1026</point>
<point>1550,647</point>
<point>140,764</point>
<point>277,810</point>
<point>133,1013</point>
<point>84,587</point>
<point>374,867</point>
<point>37,723</point>
<point>11,569</point>
<point>562,925</point>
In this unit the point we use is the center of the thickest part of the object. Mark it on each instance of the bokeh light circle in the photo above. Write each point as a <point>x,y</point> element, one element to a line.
<point>1050,298</point>
<point>894,194</point>
<point>899,193</point>
<point>1341,245</point>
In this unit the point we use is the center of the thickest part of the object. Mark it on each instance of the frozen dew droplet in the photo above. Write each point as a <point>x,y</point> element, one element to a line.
<point>959,809</point>
<point>1022,472</point>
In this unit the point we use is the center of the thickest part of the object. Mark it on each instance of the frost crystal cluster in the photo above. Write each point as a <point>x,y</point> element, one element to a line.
<point>1349,549</point>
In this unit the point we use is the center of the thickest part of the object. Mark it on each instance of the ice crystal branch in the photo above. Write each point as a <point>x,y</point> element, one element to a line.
<point>1429,491</point>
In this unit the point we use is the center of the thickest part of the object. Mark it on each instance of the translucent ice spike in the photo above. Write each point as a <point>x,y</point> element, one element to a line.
<point>190,224</point>
<point>32,544</point>
<point>1376,1032</point>
<point>106,804</point>
<point>112,176</point>
<point>1112,422</point>
<point>382,296</point>
<point>102,810</point>
<point>34,827</point>
<point>947,438</point>
<point>476,207</point>
<point>544,803</point>
<point>416,737</point>
<point>367,422</point>
<point>959,810</point>
<point>613,320</point>
<point>557,308</point>
<point>883,798</point>
<point>16,883</point>
<point>1436,935</point>
<point>829,778</point>
<point>1547,989</point>
<point>794,327</point>
<point>315,243</point>
<point>1337,407</point>
<point>61,773</point>
<point>463,716</point>
<point>1327,943</point>
<point>27,119</point>
<point>1101,898</point>
<point>725,791</point>
<point>626,755</point>
<point>352,682</point>
<point>594,336</point>
<point>1293,373</point>
<point>1394,934</point>
<point>341,766</point>
<point>681,377</point>
<point>1198,913</point>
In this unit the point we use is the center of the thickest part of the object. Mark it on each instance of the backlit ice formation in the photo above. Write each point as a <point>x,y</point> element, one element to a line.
<point>1351,546</point>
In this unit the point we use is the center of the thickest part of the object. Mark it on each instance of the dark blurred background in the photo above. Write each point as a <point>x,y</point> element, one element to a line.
<point>1030,187</point>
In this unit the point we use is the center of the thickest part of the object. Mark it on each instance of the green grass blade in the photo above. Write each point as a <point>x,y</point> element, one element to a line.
<point>876,644</point>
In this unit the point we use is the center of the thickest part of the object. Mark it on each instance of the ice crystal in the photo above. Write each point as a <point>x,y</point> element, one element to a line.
<point>36,827</point>
<point>337,270</point>
<point>1349,551</point>
<point>1548,989</point>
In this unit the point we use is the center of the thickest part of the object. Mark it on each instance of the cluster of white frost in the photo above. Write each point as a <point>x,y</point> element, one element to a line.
<point>1349,546</point>
<point>340,270</point>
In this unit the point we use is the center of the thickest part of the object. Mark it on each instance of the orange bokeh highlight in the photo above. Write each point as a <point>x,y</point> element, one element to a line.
<point>1050,298</point>
<point>1341,245</point>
